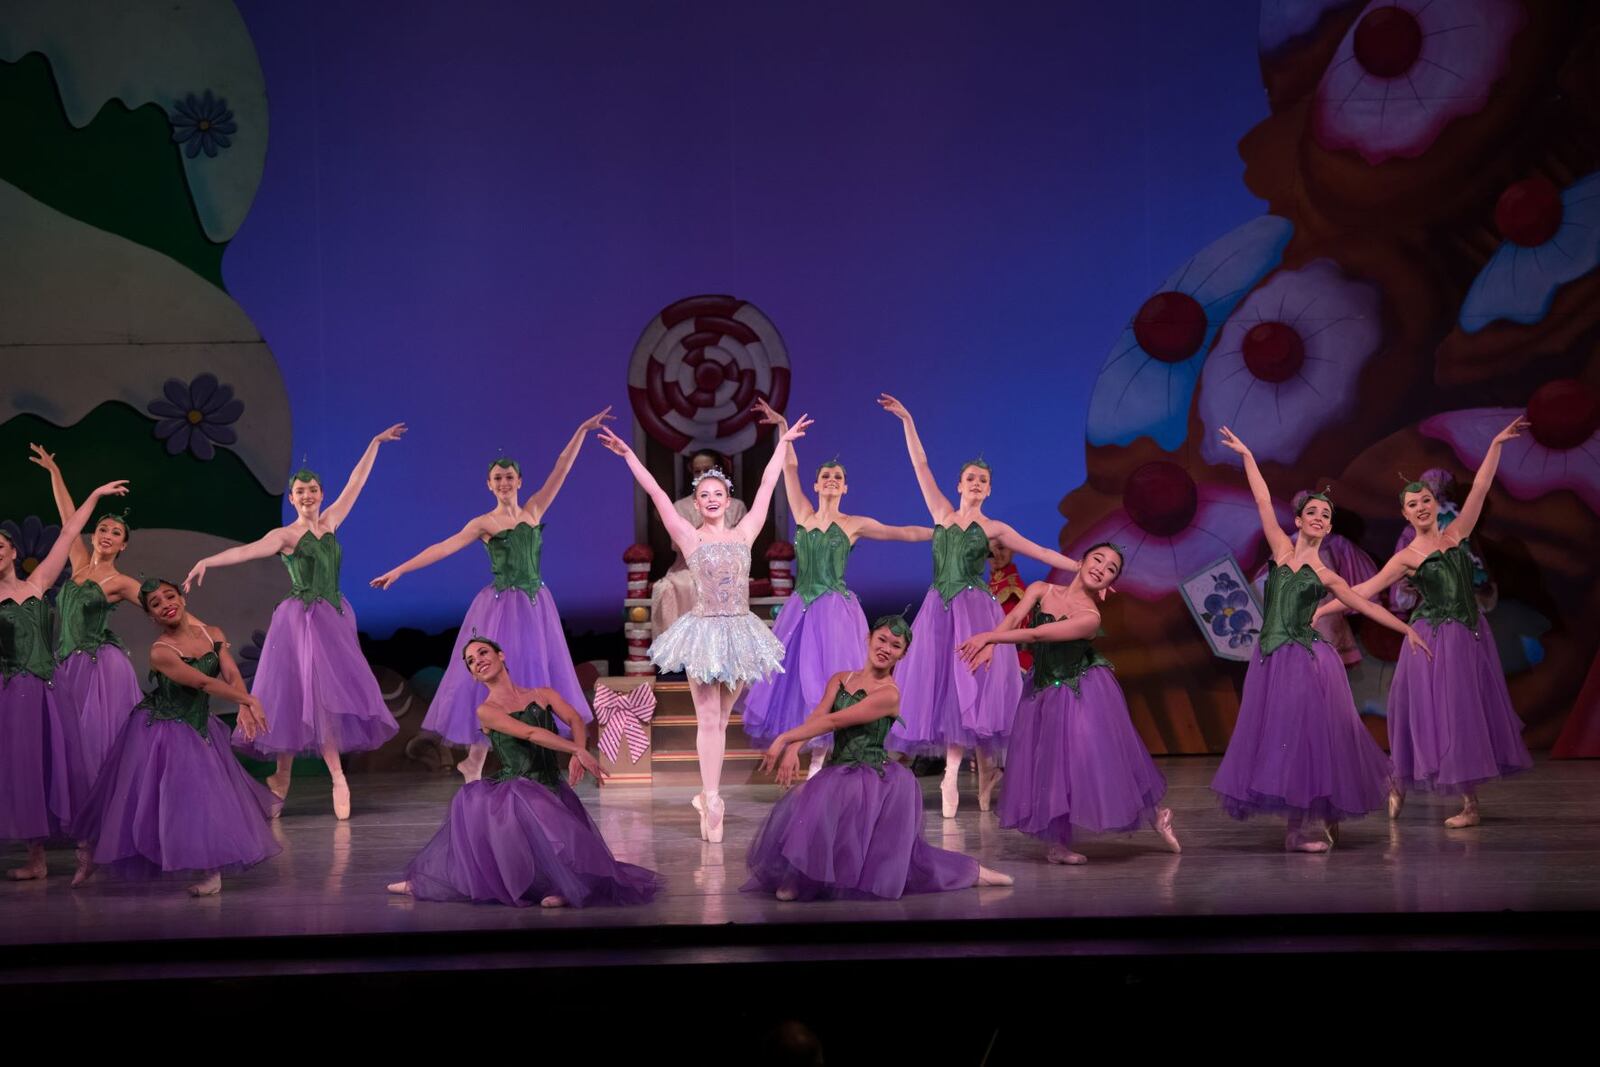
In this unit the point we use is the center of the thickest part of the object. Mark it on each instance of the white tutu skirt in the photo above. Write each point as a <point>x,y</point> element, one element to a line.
<point>730,649</point>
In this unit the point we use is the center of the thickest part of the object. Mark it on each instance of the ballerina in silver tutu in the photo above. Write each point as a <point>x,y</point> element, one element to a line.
<point>719,645</point>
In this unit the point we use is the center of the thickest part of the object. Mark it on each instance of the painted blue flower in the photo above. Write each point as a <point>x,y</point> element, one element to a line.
<point>1147,381</point>
<point>203,124</point>
<point>1226,611</point>
<point>194,415</point>
<point>248,657</point>
<point>1551,238</point>
<point>33,540</point>
<point>1224,583</point>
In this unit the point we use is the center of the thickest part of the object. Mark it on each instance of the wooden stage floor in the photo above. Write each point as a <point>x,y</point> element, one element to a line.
<point>1538,850</point>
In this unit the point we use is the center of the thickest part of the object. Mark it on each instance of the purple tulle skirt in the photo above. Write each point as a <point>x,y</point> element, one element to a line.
<point>847,834</point>
<point>1451,724</point>
<point>101,686</point>
<point>819,640</point>
<point>943,703</point>
<point>529,631</point>
<point>516,842</point>
<point>169,801</point>
<point>315,686</point>
<point>1299,747</point>
<point>1076,762</point>
<point>43,783</point>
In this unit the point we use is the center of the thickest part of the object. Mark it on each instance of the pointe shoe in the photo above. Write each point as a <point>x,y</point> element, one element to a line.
<point>1061,854</point>
<point>1397,800</point>
<point>208,888</point>
<point>1464,818</point>
<point>714,823</point>
<point>85,867</point>
<point>341,799</point>
<point>988,877</point>
<point>1298,842</point>
<point>279,784</point>
<point>787,893</point>
<point>28,872</point>
<point>699,805</point>
<point>949,796</point>
<point>987,790</point>
<point>553,901</point>
<point>1164,829</point>
<point>400,888</point>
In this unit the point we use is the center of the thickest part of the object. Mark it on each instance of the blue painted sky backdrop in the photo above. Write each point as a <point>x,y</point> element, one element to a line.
<point>471,210</point>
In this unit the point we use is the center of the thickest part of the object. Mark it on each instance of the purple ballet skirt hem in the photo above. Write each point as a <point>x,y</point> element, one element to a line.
<point>1299,747</point>
<point>171,802</point>
<point>1452,727</point>
<point>517,842</point>
<point>819,640</point>
<point>315,686</point>
<point>1076,764</point>
<point>942,703</point>
<point>529,631</point>
<point>850,834</point>
<point>43,781</point>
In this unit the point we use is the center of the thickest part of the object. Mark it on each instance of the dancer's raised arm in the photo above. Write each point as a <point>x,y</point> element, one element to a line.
<point>1278,542</point>
<point>540,501</point>
<point>750,526</point>
<point>1009,537</point>
<point>800,506</point>
<point>1472,507</point>
<point>79,554</point>
<point>271,544</point>
<point>1346,596</point>
<point>939,508</point>
<point>681,531</point>
<point>473,531</point>
<point>335,513</point>
<point>873,530</point>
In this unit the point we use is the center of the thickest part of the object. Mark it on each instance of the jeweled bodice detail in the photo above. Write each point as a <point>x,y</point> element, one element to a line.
<point>514,558</point>
<point>1291,599</point>
<point>959,556</point>
<point>820,558</point>
<point>314,569</point>
<point>721,572</point>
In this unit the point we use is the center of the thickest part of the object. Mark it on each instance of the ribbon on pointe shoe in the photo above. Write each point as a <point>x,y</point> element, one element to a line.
<point>622,717</point>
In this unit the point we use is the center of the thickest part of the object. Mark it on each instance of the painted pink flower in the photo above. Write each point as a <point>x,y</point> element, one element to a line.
<point>1561,449</point>
<point>1407,69</point>
<point>1169,529</point>
<point>1285,21</point>
<point>1287,362</point>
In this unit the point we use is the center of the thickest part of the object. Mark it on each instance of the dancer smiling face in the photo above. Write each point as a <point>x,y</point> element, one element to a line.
<point>505,482</point>
<point>1101,566</point>
<point>305,493</point>
<point>711,499</point>
<point>1420,507</point>
<point>886,646</point>
<point>974,485</point>
<point>484,660</point>
<point>166,605</point>
<point>830,483</point>
<point>110,538</point>
<point>1315,518</point>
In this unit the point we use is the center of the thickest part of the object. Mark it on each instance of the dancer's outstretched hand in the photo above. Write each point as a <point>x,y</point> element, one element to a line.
<point>893,407</point>
<point>1415,641</point>
<point>1231,442</point>
<point>583,760</point>
<point>393,433</point>
<point>789,769</point>
<point>973,647</point>
<point>44,459</point>
<point>797,429</point>
<point>769,417</point>
<point>252,719</point>
<point>595,422</point>
<point>196,576</point>
<point>385,580</point>
<point>613,442</point>
<point>1510,433</point>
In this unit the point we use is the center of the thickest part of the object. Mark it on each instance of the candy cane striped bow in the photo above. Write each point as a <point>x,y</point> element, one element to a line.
<point>624,715</point>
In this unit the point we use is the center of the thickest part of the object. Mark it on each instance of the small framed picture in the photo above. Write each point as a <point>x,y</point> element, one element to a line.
<point>1225,607</point>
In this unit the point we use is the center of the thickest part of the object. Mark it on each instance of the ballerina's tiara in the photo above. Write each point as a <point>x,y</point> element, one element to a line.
<point>714,472</point>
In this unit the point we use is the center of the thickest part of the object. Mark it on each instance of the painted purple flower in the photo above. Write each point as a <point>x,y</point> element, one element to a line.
<point>1173,527</point>
<point>203,124</point>
<point>33,540</point>
<point>194,415</point>
<point>1552,236</point>
<point>1146,383</point>
<point>1561,449</point>
<point>248,657</point>
<point>1407,69</point>
<point>1227,612</point>
<point>1287,361</point>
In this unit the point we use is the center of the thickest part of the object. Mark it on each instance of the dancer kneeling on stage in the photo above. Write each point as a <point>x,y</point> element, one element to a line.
<point>171,797</point>
<point>523,836</point>
<point>854,830</point>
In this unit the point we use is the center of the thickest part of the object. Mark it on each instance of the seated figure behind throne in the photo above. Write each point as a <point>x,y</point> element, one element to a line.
<point>674,593</point>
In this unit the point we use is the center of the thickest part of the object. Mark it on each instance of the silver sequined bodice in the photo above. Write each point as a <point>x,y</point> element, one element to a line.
<point>721,578</point>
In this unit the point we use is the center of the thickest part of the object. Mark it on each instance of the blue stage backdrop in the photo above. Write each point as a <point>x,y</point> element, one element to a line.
<point>469,211</point>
